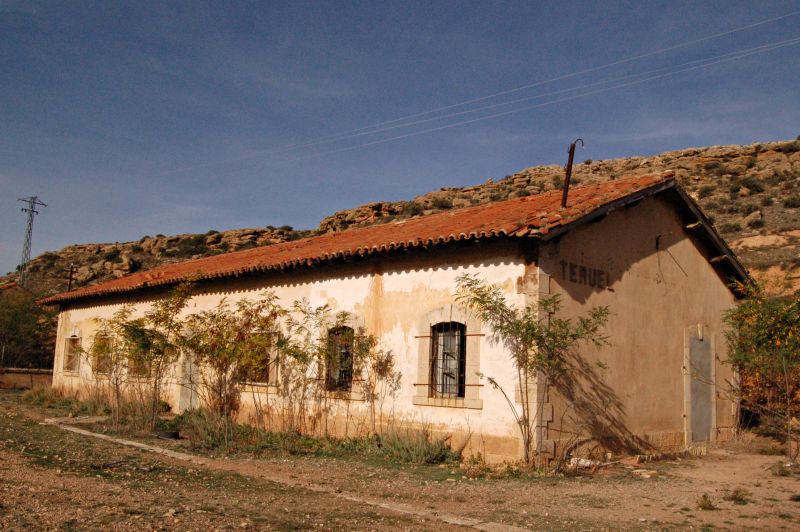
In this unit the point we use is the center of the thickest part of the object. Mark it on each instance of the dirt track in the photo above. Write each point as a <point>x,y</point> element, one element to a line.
<point>50,478</point>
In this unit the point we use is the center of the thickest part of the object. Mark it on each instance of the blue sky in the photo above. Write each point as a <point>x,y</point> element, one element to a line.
<point>165,117</point>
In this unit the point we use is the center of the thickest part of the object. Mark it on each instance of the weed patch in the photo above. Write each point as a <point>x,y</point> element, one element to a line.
<point>705,503</point>
<point>738,496</point>
<point>410,446</point>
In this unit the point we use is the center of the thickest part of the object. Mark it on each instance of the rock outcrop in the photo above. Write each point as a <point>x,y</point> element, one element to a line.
<point>752,193</point>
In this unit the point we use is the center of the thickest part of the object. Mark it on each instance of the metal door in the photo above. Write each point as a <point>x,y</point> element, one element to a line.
<point>701,384</point>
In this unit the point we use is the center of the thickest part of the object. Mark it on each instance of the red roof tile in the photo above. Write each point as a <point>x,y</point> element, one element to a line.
<point>528,216</point>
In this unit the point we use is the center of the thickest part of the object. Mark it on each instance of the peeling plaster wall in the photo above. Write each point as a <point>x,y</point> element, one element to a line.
<point>656,283</point>
<point>639,261</point>
<point>387,296</point>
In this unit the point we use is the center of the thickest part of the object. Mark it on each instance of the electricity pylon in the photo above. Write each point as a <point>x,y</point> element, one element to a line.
<point>32,202</point>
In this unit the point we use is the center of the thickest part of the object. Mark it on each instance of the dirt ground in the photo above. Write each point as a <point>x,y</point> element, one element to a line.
<point>54,479</point>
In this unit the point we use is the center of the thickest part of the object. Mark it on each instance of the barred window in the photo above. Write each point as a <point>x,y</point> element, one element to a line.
<point>101,349</point>
<point>261,369</point>
<point>138,364</point>
<point>448,359</point>
<point>72,353</point>
<point>339,370</point>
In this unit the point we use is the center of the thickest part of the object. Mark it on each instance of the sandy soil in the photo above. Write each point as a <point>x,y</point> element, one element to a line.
<point>50,478</point>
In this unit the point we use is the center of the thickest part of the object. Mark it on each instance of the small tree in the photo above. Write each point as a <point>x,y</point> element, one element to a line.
<point>26,331</point>
<point>763,337</point>
<point>537,340</point>
<point>229,344</point>
<point>110,352</point>
<point>153,345</point>
<point>303,366</point>
<point>377,369</point>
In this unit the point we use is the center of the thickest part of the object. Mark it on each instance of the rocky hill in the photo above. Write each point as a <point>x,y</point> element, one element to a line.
<point>752,193</point>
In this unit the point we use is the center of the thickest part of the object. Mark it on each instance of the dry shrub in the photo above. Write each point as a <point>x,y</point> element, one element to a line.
<point>417,446</point>
<point>705,502</point>
<point>94,404</point>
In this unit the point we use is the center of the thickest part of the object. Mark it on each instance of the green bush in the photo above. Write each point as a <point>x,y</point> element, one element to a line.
<point>205,431</point>
<point>706,190</point>
<point>417,447</point>
<point>767,201</point>
<point>49,259</point>
<point>412,209</point>
<point>193,245</point>
<point>730,227</point>
<point>792,202</point>
<point>748,209</point>
<point>49,397</point>
<point>752,184</point>
<point>791,147</point>
<point>442,203</point>
<point>756,224</point>
<point>112,255</point>
<point>26,331</point>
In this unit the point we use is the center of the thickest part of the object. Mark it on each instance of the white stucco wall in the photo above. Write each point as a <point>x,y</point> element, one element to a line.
<point>657,283</point>
<point>389,297</point>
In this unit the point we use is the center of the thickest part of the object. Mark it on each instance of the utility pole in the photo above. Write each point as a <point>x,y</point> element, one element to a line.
<point>32,202</point>
<point>71,273</point>
<point>569,172</point>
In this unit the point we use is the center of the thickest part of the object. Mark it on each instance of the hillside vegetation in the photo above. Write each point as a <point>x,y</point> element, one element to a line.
<point>751,193</point>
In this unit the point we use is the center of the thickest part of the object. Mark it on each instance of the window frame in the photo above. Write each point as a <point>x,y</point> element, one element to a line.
<point>342,381</point>
<point>271,369</point>
<point>474,339</point>
<point>440,359</point>
<point>96,357</point>
<point>71,354</point>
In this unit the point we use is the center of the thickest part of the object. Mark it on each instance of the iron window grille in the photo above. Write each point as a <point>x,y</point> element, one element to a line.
<point>339,370</point>
<point>448,359</point>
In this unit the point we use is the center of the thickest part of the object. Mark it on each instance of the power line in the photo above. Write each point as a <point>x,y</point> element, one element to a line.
<point>553,93</point>
<point>362,131</point>
<point>709,62</point>
<point>585,71</point>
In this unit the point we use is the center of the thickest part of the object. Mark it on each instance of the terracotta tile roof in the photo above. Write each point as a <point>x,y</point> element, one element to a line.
<point>7,284</point>
<point>530,216</point>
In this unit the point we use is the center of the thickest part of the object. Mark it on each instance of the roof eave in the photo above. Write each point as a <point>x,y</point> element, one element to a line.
<point>605,210</point>
<point>737,268</point>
